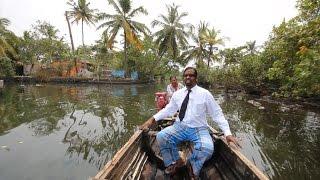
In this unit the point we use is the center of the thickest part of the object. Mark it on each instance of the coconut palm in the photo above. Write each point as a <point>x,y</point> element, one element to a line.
<point>196,52</point>
<point>122,20</point>
<point>71,39</point>
<point>172,34</point>
<point>211,39</point>
<point>251,47</point>
<point>4,45</point>
<point>70,32</point>
<point>81,12</point>
<point>4,22</point>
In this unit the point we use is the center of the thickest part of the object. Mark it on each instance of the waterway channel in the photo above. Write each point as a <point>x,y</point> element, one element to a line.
<point>70,131</point>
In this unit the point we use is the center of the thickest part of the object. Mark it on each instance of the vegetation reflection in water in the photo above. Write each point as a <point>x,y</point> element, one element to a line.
<point>70,132</point>
<point>82,127</point>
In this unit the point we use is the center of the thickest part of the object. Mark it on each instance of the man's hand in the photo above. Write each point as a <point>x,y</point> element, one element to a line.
<point>232,139</point>
<point>147,124</point>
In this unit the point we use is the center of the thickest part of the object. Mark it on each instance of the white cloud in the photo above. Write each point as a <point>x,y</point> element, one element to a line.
<point>241,21</point>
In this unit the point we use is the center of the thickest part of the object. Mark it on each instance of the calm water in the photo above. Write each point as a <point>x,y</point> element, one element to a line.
<point>70,132</point>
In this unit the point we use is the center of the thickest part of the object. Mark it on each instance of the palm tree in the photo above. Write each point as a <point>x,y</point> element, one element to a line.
<point>4,45</point>
<point>196,52</point>
<point>210,40</point>
<point>251,47</point>
<point>70,32</point>
<point>81,12</point>
<point>172,33</point>
<point>123,20</point>
<point>71,39</point>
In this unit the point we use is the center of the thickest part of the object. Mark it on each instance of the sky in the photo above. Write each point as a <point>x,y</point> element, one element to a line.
<point>238,20</point>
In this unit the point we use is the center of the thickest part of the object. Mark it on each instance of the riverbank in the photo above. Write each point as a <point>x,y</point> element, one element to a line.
<point>72,80</point>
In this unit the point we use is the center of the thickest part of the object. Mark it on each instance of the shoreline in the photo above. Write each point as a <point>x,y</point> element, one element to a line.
<point>311,101</point>
<point>72,80</point>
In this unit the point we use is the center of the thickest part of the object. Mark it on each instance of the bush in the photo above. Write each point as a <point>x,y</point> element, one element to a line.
<point>43,75</point>
<point>252,73</point>
<point>6,68</point>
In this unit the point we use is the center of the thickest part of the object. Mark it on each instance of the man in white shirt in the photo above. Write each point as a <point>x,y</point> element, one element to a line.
<point>194,103</point>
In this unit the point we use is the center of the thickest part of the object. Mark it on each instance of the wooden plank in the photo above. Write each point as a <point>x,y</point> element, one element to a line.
<point>134,159</point>
<point>142,167</point>
<point>118,156</point>
<point>139,166</point>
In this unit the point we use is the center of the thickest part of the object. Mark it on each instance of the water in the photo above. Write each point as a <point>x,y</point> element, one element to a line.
<point>72,131</point>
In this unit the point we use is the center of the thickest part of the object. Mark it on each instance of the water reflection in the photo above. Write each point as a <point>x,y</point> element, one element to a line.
<point>90,122</point>
<point>285,145</point>
<point>70,132</point>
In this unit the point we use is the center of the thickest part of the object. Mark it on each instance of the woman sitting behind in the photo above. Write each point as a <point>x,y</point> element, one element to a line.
<point>173,87</point>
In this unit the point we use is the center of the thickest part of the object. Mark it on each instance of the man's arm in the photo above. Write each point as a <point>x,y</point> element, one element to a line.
<point>217,115</point>
<point>147,124</point>
<point>169,110</point>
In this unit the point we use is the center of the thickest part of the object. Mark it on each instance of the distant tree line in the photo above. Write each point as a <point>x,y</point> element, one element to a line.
<point>287,65</point>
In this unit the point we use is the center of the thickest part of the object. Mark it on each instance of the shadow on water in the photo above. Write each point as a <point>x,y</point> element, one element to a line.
<point>70,132</point>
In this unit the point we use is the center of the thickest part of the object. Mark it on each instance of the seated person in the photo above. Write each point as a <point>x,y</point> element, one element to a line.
<point>173,87</point>
<point>194,103</point>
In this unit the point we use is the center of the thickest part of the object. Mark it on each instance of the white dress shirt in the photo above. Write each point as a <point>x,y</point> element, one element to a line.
<point>201,103</point>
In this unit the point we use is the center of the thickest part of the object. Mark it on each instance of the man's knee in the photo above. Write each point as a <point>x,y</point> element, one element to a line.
<point>208,147</point>
<point>161,137</point>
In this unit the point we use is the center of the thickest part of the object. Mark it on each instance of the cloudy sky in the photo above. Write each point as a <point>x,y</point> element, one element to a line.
<point>239,20</point>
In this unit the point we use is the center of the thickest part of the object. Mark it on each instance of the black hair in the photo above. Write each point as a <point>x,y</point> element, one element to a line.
<point>194,69</point>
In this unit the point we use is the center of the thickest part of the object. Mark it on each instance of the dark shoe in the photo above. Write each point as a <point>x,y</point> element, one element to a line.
<point>172,169</point>
<point>190,172</point>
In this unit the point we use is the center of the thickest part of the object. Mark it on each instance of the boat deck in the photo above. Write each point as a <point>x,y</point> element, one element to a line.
<point>215,168</point>
<point>140,158</point>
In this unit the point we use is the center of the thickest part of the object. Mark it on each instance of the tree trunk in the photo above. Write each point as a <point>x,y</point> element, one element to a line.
<point>209,58</point>
<point>70,33</point>
<point>82,33</point>
<point>71,39</point>
<point>125,62</point>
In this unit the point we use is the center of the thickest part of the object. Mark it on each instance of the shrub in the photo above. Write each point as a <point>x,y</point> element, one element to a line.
<point>6,68</point>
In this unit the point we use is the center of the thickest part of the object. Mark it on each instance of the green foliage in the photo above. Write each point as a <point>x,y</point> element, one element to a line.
<point>42,44</point>
<point>291,55</point>
<point>81,12</point>
<point>308,9</point>
<point>85,53</point>
<point>307,75</point>
<point>172,36</point>
<point>232,56</point>
<point>227,77</point>
<point>148,63</point>
<point>123,20</point>
<point>7,39</point>
<point>252,73</point>
<point>6,68</point>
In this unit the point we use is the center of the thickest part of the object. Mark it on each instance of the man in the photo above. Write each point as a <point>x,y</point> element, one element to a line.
<point>194,103</point>
<point>173,87</point>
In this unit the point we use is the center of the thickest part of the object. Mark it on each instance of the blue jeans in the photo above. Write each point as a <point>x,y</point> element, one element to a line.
<point>170,137</point>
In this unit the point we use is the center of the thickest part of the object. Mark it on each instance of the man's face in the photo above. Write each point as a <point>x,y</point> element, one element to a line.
<point>189,78</point>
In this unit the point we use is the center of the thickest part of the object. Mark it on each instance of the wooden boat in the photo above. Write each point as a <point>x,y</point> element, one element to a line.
<point>139,158</point>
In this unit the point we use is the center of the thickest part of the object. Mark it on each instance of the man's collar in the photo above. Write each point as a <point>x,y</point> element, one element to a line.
<point>192,89</point>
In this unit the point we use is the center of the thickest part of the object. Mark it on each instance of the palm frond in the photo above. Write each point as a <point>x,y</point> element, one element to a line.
<point>137,11</point>
<point>115,6</point>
